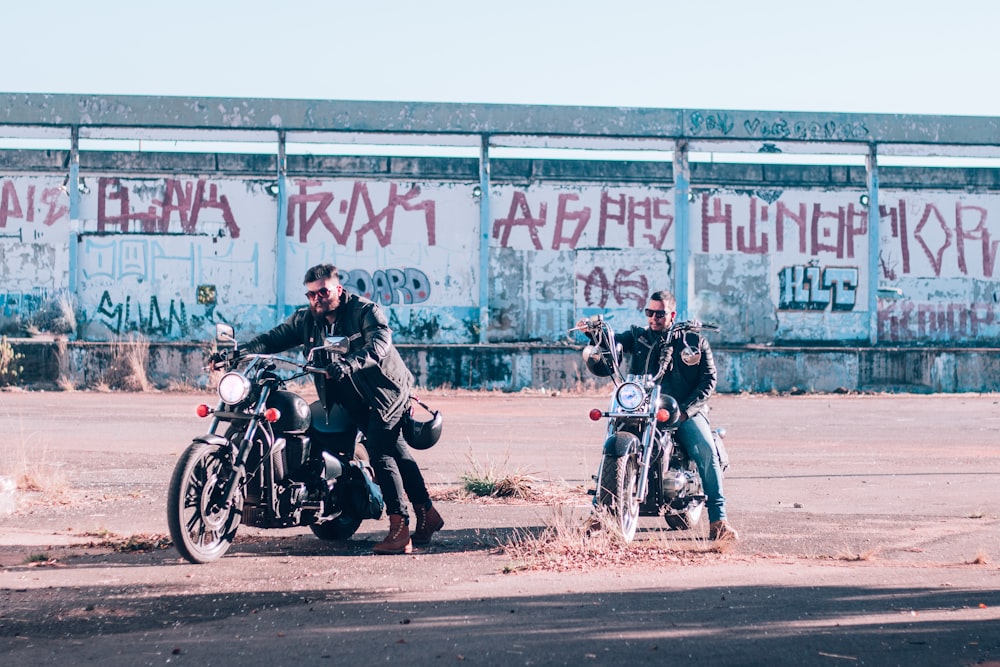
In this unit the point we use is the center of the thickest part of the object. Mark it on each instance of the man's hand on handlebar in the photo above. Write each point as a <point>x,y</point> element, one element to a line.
<point>223,357</point>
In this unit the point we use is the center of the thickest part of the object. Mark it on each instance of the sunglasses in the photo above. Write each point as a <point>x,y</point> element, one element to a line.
<point>658,314</point>
<point>321,293</point>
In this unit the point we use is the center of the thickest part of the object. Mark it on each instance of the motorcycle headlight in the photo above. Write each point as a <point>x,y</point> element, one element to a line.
<point>233,388</point>
<point>630,396</point>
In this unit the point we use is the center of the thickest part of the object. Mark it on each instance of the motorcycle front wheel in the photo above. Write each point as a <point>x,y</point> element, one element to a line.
<point>617,485</point>
<point>202,530</point>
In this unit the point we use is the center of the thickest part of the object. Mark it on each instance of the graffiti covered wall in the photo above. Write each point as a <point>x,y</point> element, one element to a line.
<point>170,256</point>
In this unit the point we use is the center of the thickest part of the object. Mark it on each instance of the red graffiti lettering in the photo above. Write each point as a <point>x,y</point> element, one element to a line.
<point>719,215</point>
<point>53,197</point>
<point>519,215</point>
<point>977,232</point>
<point>298,207</point>
<point>630,212</point>
<point>220,203</point>
<point>799,220</point>
<point>630,286</point>
<point>563,215</point>
<point>606,215</point>
<point>747,238</point>
<point>156,218</point>
<point>907,321</point>
<point>183,195</point>
<point>922,234</point>
<point>649,211</point>
<point>380,224</point>
<point>10,205</point>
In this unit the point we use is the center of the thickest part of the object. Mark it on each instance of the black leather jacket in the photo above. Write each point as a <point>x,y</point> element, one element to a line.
<point>378,377</point>
<point>690,383</point>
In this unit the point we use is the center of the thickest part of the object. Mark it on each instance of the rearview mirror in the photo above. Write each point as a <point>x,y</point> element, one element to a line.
<point>333,345</point>
<point>337,344</point>
<point>224,333</point>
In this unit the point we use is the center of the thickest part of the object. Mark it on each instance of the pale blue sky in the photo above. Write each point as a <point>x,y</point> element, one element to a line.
<point>879,56</point>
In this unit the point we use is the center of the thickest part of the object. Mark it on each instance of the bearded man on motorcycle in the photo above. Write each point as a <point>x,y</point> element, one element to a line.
<point>690,378</point>
<point>373,384</point>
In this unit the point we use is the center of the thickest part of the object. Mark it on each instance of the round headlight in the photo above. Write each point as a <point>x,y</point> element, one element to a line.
<point>233,388</point>
<point>630,396</point>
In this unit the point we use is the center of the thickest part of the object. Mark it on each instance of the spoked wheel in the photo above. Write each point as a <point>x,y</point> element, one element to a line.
<point>616,491</point>
<point>686,520</point>
<point>201,530</point>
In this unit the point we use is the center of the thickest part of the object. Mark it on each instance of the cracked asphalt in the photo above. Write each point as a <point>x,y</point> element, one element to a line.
<point>869,535</point>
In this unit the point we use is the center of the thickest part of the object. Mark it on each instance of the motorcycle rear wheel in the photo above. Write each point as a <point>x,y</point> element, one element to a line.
<point>201,530</point>
<point>341,528</point>
<point>617,484</point>
<point>686,520</point>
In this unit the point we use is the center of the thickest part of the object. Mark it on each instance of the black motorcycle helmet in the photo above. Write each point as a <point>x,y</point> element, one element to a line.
<point>673,408</point>
<point>422,435</point>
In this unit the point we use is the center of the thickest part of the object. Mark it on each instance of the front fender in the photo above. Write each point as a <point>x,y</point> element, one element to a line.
<point>620,444</point>
<point>212,439</point>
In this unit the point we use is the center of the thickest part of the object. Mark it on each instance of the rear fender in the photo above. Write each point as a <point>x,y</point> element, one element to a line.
<point>620,444</point>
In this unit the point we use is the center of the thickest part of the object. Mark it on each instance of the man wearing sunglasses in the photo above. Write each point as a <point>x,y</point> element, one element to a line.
<point>373,384</point>
<point>690,378</point>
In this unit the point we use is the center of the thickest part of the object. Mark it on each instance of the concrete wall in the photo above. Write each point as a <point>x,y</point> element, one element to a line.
<point>168,256</point>
<point>512,367</point>
<point>167,245</point>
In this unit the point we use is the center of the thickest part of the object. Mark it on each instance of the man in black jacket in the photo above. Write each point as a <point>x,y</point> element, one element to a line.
<point>690,379</point>
<point>373,384</point>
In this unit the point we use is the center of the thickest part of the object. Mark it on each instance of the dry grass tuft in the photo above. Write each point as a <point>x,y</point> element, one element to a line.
<point>56,315</point>
<point>859,557</point>
<point>28,465</point>
<point>10,367</point>
<point>489,479</point>
<point>139,543</point>
<point>574,539</point>
<point>128,368</point>
<point>40,559</point>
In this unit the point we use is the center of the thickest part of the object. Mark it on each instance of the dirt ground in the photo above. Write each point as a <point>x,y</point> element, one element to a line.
<point>869,535</point>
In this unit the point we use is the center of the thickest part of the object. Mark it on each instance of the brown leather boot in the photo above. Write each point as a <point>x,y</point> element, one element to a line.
<point>428,523</point>
<point>398,539</point>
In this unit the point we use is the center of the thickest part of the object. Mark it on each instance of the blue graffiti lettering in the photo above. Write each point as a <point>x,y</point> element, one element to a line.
<point>390,286</point>
<point>812,288</point>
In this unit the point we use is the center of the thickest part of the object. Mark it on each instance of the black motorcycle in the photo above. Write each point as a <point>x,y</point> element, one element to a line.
<point>269,459</point>
<point>643,472</point>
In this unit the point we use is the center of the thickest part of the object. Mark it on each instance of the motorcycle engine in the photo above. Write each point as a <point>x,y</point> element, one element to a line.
<point>679,483</point>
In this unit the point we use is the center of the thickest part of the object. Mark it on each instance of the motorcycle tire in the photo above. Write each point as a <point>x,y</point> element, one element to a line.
<point>617,484</point>
<point>341,528</point>
<point>202,532</point>
<point>686,520</point>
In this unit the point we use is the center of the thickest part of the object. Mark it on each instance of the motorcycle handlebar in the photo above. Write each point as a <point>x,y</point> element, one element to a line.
<point>230,358</point>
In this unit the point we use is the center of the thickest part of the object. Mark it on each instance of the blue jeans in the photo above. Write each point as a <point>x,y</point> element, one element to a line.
<point>695,435</point>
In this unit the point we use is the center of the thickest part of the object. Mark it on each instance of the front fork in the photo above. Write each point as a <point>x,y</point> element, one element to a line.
<point>233,483</point>
<point>648,436</point>
<point>649,433</point>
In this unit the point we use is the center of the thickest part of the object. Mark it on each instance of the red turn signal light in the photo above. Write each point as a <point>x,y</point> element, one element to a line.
<point>596,414</point>
<point>203,410</point>
<point>662,415</point>
<point>272,414</point>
